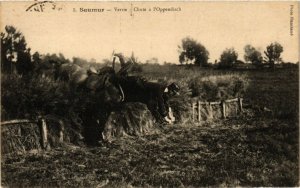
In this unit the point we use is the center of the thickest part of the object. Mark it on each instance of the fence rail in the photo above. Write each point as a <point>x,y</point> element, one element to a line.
<point>17,121</point>
<point>197,105</point>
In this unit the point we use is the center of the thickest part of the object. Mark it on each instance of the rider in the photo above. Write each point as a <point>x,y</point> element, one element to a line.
<point>158,100</point>
<point>125,66</point>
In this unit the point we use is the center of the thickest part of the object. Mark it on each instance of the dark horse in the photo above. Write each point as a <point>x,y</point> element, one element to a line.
<point>154,95</point>
<point>102,83</point>
<point>99,92</point>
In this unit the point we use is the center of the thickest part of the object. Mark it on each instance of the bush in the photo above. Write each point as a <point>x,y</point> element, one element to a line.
<point>29,97</point>
<point>181,104</point>
<point>218,87</point>
<point>24,97</point>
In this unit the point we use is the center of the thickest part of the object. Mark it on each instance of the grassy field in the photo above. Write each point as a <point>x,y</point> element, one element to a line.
<point>257,149</point>
<point>252,152</point>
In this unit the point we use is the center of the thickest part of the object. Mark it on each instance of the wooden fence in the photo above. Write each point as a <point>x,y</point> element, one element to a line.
<point>197,105</point>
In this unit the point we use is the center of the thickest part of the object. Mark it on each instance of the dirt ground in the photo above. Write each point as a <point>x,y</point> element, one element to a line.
<point>236,152</point>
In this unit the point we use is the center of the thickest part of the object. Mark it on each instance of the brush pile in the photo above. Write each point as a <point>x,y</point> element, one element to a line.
<point>132,119</point>
<point>25,135</point>
<point>20,138</point>
<point>218,87</point>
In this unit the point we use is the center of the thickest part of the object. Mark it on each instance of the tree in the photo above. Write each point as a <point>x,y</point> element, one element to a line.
<point>192,50</point>
<point>36,58</point>
<point>228,58</point>
<point>24,63</point>
<point>253,55</point>
<point>273,53</point>
<point>48,65</point>
<point>15,56</point>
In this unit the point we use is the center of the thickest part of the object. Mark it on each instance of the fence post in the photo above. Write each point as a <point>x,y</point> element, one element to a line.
<point>223,109</point>
<point>240,105</point>
<point>61,131</point>
<point>43,129</point>
<point>193,107</point>
<point>19,131</point>
<point>199,112</point>
<point>210,111</point>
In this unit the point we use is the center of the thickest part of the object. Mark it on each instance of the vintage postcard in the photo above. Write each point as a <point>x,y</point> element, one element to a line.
<point>149,94</point>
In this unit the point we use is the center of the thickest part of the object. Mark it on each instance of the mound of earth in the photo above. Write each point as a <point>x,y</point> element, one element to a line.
<point>132,119</point>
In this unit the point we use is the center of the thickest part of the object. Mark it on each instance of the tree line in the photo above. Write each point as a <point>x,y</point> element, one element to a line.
<point>16,57</point>
<point>191,51</point>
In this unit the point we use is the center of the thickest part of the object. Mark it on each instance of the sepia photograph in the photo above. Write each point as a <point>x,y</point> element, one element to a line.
<point>149,93</point>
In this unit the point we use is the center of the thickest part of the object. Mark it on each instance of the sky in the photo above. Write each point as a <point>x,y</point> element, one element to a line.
<point>149,34</point>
